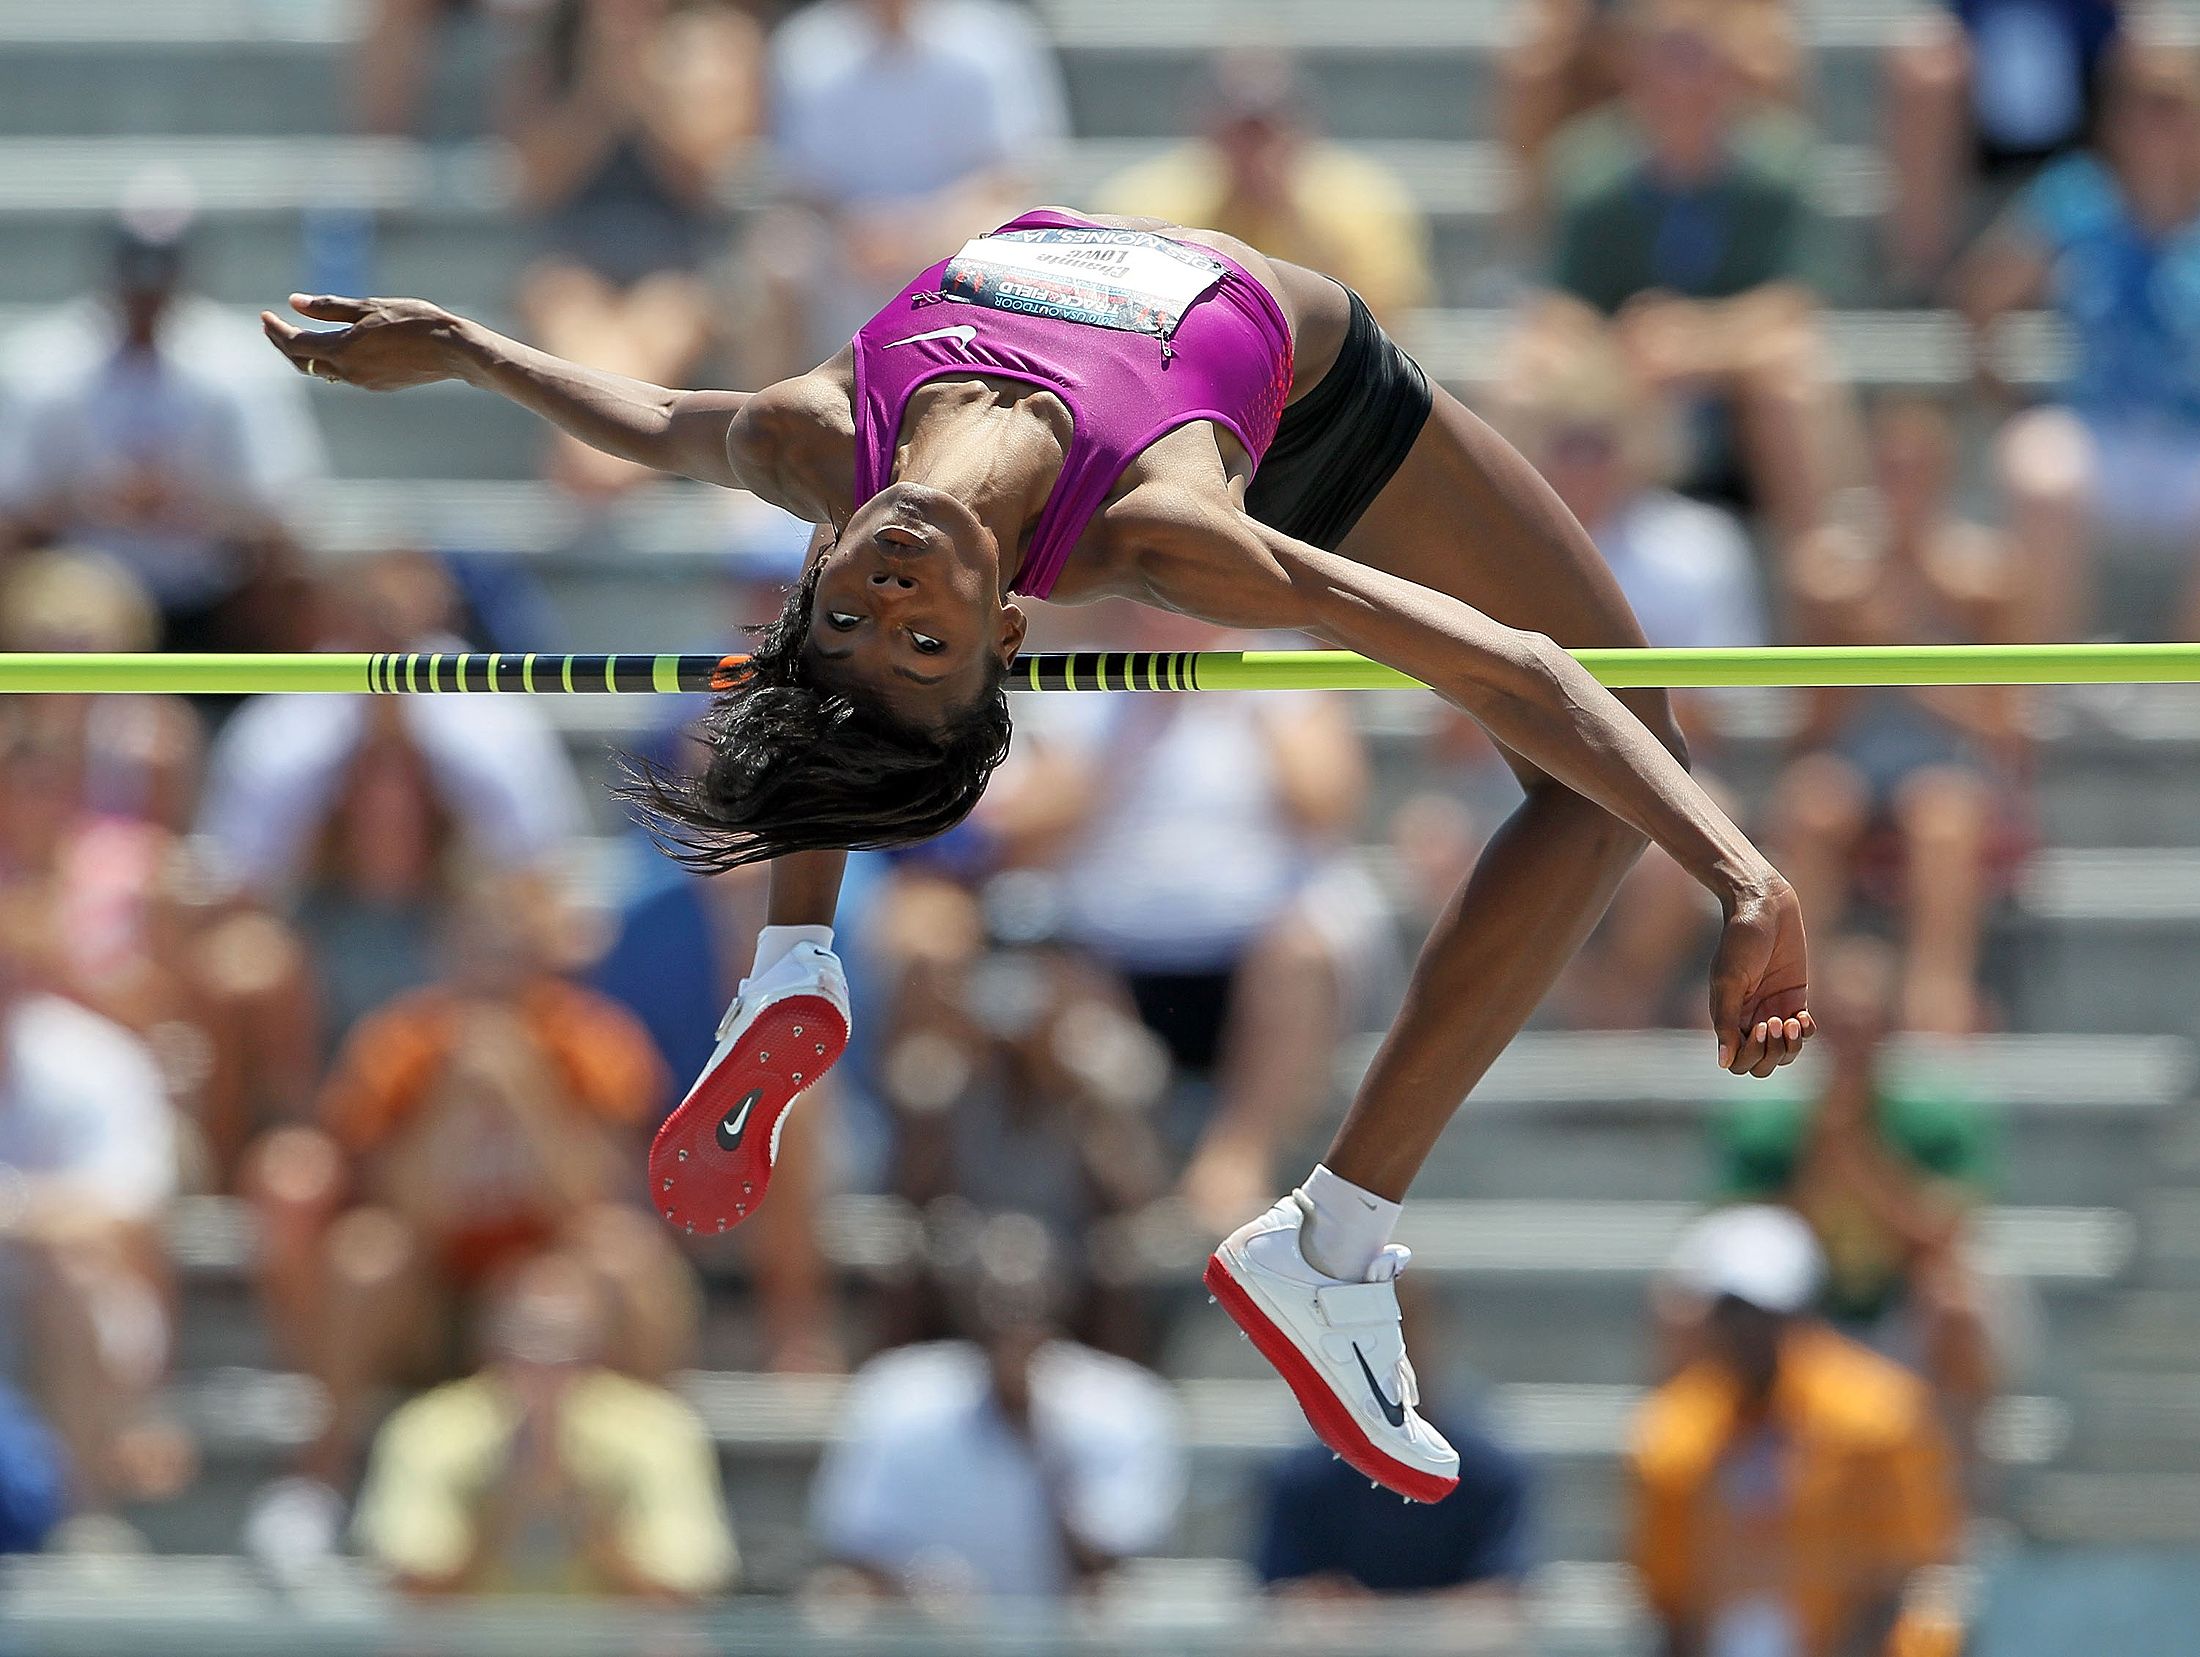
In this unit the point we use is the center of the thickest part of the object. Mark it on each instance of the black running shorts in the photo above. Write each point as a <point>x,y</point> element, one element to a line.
<point>1340,444</point>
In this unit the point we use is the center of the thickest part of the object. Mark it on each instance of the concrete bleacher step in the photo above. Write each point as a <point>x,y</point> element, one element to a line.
<point>2111,960</point>
<point>461,259</point>
<point>1610,1113</point>
<point>1190,1607</point>
<point>1391,68</point>
<point>1564,1245</point>
<point>1464,345</point>
<point>249,188</point>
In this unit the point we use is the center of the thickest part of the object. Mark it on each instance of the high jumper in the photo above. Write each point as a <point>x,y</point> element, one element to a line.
<point>1074,408</point>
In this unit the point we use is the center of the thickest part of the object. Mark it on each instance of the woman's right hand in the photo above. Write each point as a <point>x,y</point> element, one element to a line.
<point>1759,980</point>
<point>384,345</point>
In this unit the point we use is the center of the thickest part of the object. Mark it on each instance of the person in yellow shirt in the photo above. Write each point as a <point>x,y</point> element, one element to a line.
<point>1790,1486</point>
<point>1260,175</point>
<point>546,1472</point>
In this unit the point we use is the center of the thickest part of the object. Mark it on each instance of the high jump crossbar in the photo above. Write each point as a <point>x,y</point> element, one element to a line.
<point>510,673</point>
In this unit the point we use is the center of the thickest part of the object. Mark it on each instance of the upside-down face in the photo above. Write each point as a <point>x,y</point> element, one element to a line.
<point>908,612</point>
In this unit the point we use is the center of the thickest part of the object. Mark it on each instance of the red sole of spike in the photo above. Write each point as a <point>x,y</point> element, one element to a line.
<point>711,1162</point>
<point>1325,1413</point>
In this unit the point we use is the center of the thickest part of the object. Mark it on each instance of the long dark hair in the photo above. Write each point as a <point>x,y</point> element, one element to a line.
<point>796,767</point>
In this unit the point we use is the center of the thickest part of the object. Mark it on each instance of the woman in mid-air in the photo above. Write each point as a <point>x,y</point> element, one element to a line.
<point>1075,408</point>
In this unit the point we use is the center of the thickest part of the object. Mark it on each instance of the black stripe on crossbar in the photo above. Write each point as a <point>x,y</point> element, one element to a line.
<point>473,672</point>
<point>635,673</point>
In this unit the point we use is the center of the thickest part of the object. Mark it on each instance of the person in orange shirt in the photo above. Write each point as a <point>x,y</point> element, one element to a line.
<point>464,1126</point>
<point>1791,1488</point>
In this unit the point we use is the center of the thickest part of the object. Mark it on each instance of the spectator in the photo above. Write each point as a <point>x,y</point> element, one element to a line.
<point>1019,1080</point>
<point>93,792</point>
<point>626,118</point>
<point>1581,414</point>
<point>1198,846</point>
<point>496,1112</point>
<point>138,425</point>
<point>2111,240</point>
<point>84,784</point>
<point>398,41</point>
<point>34,1480</point>
<point>900,128</point>
<point>1888,1172</point>
<point>1926,774</point>
<point>1010,1464</point>
<point>1260,175</point>
<point>548,1471</point>
<point>1789,1485</point>
<point>352,815</point>
<point>1981,87</point>
<point>142,755</point>
<point>1564,61</point>
<point>87,1172</point>
<point>1328,1535</point>
<point>1682,214</point>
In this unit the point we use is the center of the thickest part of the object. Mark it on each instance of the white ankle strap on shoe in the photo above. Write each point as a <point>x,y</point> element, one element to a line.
<point>1349,1304</point>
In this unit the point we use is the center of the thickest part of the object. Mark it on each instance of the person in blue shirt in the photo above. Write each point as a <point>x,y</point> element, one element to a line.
<point>1326,1533</point>
<point>1980,93</point>
<point>2110,239</point>
<point>34,1480</point>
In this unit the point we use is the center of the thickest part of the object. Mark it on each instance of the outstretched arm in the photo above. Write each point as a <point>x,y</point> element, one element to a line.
<point>389,344</point>
<point>1214,561</point>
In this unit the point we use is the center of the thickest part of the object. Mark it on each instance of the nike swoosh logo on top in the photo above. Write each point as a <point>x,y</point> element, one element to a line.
<point>737,1121</point>
<point>962,331</point>
<point>1395,1414</point>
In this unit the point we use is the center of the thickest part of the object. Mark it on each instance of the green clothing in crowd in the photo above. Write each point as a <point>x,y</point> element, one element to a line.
<point>1623,232</point>
<point>1938,1133</point>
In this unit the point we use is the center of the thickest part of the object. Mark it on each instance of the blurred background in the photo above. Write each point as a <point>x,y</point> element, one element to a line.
<point>332,1031</point>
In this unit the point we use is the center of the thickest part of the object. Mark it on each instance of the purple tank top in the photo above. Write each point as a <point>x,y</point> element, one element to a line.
<point>1136,333</point>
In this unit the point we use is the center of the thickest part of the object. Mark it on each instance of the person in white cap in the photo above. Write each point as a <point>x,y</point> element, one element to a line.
<point>1789,1483</point>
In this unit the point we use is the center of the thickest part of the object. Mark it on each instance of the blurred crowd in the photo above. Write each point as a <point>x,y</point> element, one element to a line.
<point>385,979</point>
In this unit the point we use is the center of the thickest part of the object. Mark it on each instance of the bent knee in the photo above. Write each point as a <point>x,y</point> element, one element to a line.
<point>1945,807</point>
<point>2046,459</point>
<point>1822,798</point>
<point>369,1250</point>
<point>294,1167</point>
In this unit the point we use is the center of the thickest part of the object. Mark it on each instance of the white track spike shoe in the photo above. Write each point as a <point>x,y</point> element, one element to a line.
<point>1339,1348</point>
<point>712,1159</point>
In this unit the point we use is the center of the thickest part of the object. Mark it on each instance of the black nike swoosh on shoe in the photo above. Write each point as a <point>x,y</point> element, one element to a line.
<point>736,1123</point>
<point>1395,1414</point>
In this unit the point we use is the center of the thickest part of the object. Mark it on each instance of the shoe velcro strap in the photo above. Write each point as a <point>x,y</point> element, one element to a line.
<point>1347,1304</point>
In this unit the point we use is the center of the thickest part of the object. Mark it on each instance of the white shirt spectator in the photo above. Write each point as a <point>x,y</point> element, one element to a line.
<point>859,116</point>
<point>278,763</point>
<point>214,415</point>
<point>1686,570</point>
<point>1190,852</point>
<point>929,1482</point>
<point>83,1103</point>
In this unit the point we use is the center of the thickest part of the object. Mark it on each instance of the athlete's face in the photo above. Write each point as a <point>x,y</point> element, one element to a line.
<point>908,610</point>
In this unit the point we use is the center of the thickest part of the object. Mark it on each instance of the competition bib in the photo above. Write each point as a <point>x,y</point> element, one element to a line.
<point>1127,279</point>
